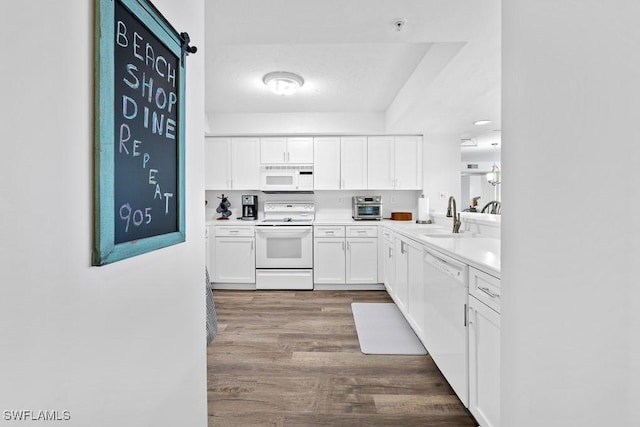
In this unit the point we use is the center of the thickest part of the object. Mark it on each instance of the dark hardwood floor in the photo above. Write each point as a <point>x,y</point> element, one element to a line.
<point>292,359</point>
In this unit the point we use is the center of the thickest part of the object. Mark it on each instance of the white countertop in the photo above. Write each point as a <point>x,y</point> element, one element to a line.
<point>478,251</point>
<point>481,252</point>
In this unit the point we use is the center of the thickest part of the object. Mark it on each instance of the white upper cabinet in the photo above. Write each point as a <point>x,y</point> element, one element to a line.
<point>380,163</point>
<point>394,162</point>
<point>340,163</point>
<point>353,163</point>
<point>244,163</point>
<point>231,163</point>
<point>273,150</point>
<point>326,166</point>
<point>300,150</point>
<point>217,155</point>
<point>407,155</point>
<point>278,150</point>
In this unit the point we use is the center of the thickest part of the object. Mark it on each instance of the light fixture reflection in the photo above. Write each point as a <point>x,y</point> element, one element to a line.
<point>283,83</point>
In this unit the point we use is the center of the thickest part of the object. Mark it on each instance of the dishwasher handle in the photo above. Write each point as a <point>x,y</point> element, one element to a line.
<point>448,266</point>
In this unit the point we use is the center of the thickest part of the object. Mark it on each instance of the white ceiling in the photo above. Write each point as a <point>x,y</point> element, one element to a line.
<point>442,70</point>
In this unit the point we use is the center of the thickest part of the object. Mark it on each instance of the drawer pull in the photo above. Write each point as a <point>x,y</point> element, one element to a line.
<point>488,292</point>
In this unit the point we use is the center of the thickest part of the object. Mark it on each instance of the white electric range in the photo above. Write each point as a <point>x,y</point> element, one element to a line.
<point>284,246</point>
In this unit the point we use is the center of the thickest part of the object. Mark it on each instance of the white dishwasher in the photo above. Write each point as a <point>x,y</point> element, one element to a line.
<point>445,325</point>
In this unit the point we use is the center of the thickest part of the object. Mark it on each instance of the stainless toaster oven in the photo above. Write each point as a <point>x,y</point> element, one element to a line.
<point>366,207</point>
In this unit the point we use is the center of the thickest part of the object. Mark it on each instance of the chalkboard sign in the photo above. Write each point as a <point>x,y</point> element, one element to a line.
<point>139,195</point>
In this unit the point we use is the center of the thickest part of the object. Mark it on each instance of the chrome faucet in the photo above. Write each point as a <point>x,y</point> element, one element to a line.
<point>456,216</point>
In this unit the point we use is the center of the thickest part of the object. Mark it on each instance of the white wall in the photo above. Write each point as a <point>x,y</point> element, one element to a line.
<point>292,123</point>
<point>570,325</point>
<point>119,345</point>
<point>441,171</point>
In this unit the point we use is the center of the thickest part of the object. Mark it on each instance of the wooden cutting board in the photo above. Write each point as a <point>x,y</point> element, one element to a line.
<point>401,216</point>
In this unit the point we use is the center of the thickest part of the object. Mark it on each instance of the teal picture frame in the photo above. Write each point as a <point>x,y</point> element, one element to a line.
<point>110,244</point>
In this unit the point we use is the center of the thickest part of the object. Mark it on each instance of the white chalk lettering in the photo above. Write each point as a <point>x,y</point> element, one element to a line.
<point>164,66</point>
<point>138,217</point>
<point>145,160</point>
<point>147,84</point>
<point>121,35</point>
<point>157,123</point>
<point>127,214</point>
<point>124,128</point>
<point>158,193</point>
<point>171,75</point>
<point>131,69</point>
<point>136,45</point>
<point>127,100</point>
<point>161,103</point>
<point>173,100</point>
<point>136,144</point>
<point>166,202</point>
<point>152,176</point>
<point>150,55</point>
<point>170,131</point>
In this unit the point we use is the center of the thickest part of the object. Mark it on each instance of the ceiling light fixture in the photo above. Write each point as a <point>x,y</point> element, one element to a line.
<point>493,177</point>
<point>481,122</point>
<point>282,82</point>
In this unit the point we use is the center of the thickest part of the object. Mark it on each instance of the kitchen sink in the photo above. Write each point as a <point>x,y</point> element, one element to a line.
<point>447,234</point>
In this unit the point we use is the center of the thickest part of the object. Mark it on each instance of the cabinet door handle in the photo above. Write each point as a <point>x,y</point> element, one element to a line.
<point>466,313</point>
<point>343,246</point>
<point>488,292</point>
<point>349,246</point>
<point>234,231</point>
<point>252,245</point>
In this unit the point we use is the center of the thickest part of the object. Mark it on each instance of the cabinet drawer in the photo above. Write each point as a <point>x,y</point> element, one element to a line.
<point>485,287</point>
<point>328,230</point>
<point>388,235</point>
<point>235,230</point>
<point>362,231</point>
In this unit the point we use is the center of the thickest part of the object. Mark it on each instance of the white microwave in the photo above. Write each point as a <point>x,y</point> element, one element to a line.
<point>286,178</point>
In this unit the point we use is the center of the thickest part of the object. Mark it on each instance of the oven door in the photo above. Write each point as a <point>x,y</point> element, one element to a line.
<point>284,246</point>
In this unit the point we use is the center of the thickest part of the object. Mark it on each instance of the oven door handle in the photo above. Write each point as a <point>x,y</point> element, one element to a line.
<point>283,230</point>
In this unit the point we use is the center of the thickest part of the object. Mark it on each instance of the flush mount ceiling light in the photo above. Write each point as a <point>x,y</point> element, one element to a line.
<point>481,122</point>
<point>282,82</point>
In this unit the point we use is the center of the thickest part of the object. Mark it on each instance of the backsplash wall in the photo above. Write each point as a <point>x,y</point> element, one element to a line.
<point>329,204</point>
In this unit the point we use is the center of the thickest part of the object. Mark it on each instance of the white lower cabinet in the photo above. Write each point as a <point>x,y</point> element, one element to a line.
<point>362,254</point>
<point>401,288</point>
<point>362,260</point>
<point>484,348</point>
<point>345,255</point>
<point>234,255</point>
<point>388,261</point>
<point>329,247</point>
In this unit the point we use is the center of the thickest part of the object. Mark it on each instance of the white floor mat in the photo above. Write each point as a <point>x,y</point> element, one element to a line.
<point>383,330</point>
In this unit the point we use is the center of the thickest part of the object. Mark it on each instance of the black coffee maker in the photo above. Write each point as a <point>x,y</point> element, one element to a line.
<point>250,207</point>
